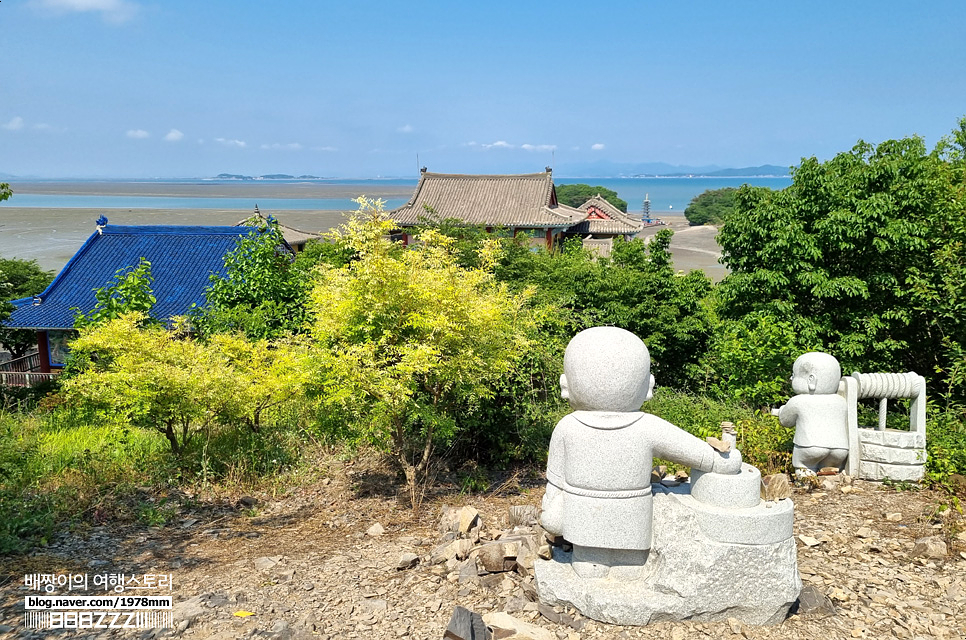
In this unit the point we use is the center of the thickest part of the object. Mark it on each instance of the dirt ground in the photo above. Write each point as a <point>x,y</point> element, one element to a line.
<point>307,564</point>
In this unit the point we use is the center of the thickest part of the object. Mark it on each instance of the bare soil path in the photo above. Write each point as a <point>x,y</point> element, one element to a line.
<point>305,566</point>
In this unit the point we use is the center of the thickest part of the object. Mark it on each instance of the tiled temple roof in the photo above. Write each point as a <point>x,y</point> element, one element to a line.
<point>182,260</point>
<point>609,221</point>
<point>523,200</point>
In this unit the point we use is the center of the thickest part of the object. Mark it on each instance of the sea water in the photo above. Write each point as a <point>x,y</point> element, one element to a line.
<point>666,195</point>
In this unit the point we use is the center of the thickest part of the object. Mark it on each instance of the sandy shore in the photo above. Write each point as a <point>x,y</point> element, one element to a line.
<point>52,236</point>
<point>260,189</point>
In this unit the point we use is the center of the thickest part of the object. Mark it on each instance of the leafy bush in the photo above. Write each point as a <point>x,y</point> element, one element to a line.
<point>946,444</point>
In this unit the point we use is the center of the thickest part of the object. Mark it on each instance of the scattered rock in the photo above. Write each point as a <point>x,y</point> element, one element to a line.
<point>809,541</point>
<point>375,530</point>
<point>931,547</point>
<point>267,562</point>
<point>813,600</point>
<point>247,502</point>
<point>407,561</point>
<point>828,471</point>
<point>469,518</point>
<point>719,445</point>
<point>506,626</point>
<point>864,532</point>
<point>894,517</point>
<point>523,515</point>
<point>466,625</point>
<point>776,487</point>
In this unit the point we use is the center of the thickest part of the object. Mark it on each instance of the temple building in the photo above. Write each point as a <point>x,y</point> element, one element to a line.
<point>523,204</point>
<point>183,259</point>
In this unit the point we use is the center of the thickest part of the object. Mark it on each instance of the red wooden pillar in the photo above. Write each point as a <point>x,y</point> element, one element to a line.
<point>549,239</point>
<point>43,351</point>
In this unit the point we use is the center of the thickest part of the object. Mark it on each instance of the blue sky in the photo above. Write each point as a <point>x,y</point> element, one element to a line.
<point>177,88</point>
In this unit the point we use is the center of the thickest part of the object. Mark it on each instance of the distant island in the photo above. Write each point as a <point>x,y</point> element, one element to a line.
<point>763,171</point>
<point>270,176</point>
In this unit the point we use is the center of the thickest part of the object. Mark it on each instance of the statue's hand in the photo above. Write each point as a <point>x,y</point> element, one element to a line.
<point>775,412</point>
<point>727,463</point>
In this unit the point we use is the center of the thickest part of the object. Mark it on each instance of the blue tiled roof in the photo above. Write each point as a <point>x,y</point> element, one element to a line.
<point>182,261</point>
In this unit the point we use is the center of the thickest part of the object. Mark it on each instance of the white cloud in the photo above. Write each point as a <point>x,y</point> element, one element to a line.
<point>173,136</point>
<point>538,147</point>
<point>291,146</point>
<point>406,128</point>
<point>325,148</point>
<point>138,134</point>
<point>15,124</point>
<point>499,144</point>
<point>241,144</point>
<point>42,126</point>
<point>597,147</point>
<point>114,11</point>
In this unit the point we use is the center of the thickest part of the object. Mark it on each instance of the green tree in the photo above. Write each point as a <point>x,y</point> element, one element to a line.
<point>262,293</point>
<point>264,377</point>
<point>150,377</point>
<point>574,195</point>
<point>854,255</point>
<point>410,342</point>
<point>636,289</point>
<point>19,279</point>
<point>711,207</point>
<point>128,292</point>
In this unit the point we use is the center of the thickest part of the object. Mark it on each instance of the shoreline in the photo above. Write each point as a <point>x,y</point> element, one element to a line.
<point>51,236</point>
<point>241,189</point>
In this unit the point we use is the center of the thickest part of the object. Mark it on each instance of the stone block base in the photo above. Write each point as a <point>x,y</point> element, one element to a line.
<point>891,454</point>
<point>689,575</point>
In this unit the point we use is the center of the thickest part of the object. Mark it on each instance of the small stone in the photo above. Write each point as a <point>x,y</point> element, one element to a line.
<point>247,501</point>
<point>547,612</point>
<point>809,541</point>
<point>545,552</point>
<point>407,561</point>
<point>677,633</point>
<point>506,626</point>
<point>469,518</point>
<point>736,627</point>
<point>931,547</point>
<point>465,625</point>
<point>894,517</point>
<point>828,471</point>
<point>468,571</point>
<point>375,605</point>
<point>812,600</point>
<point>864,532</point>
<point>719,445</point>
<point>375,530</point>
<point>267,562</point>
<point>523,515</point>
<point>776,487</point>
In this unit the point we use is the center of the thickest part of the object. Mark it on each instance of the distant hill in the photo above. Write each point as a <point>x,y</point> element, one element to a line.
<point>607,169</point>
<point>7,176</point>
<point>747,172</point>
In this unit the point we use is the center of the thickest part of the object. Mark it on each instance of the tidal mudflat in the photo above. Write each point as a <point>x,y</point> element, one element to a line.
<point>52,236</point>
